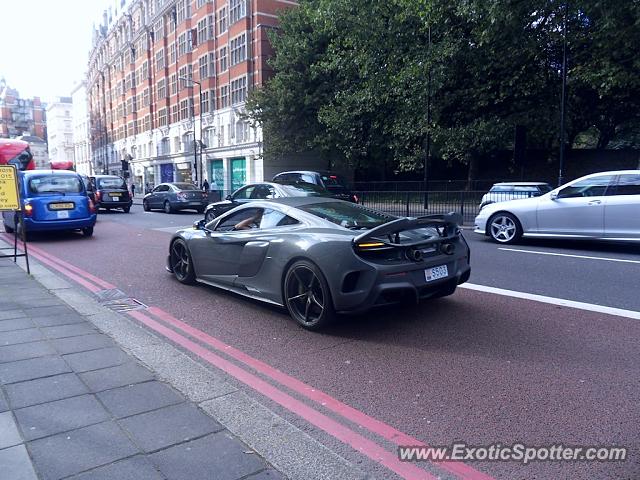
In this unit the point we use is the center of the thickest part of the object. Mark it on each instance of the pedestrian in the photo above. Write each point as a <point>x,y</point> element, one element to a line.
<point>205,185</point>
<point>133,190</point>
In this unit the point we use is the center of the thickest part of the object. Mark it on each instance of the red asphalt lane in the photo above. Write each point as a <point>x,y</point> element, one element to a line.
<point>478,367</point>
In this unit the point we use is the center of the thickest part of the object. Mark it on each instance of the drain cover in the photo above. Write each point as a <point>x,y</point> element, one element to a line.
<point>124,304</point>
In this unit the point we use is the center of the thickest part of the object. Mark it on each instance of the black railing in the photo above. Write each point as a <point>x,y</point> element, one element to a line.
<point>419,186</point>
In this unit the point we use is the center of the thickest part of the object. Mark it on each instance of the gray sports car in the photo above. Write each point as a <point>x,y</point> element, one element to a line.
<point>322,256</point>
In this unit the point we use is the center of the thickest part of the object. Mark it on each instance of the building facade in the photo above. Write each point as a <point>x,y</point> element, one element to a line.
<point>60,130</point>
<point>20,116</point>
<point>167,83</point>
<point>80,124</point>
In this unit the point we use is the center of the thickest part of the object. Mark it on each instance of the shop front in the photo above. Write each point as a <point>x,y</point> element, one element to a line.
<point>166,172</point>
<point>238,173</point>
<point>183,172</point>
<point>149,179</point>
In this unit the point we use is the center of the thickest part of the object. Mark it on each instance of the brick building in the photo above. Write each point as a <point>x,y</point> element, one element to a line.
<point>20,116</point>
<point>159,66</point>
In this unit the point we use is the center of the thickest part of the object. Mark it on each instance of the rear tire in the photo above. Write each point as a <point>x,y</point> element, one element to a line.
<point>200,210</point>
<point>307,296</point>
<point>8,229</point>
<point>145,206</point>
<point>181,262</point>
<point>87,232</point>
<point>167,207</point>
<point>505,228</point>
<point>126,209</point>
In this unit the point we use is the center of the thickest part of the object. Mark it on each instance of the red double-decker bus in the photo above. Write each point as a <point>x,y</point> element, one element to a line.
<point>16,152</point>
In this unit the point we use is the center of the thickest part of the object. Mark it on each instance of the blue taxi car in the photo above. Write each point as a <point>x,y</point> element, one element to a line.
<point>52,200</point>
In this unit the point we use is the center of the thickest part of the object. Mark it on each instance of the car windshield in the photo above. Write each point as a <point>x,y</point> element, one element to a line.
<point>333,181</point>
<point>303,189</point>
<point>111,182</point>
<point>55,184</point>
<point>347,215</point>
<point>185,186</point>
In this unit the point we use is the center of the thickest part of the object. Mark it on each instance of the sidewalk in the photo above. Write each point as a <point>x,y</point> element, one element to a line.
<point>73,404</point>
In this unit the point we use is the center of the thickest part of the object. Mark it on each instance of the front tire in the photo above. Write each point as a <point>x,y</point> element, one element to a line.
<point>307,295</point>
<point>145,206</point>
<point>504,228</point>
<point>167,207</point>
<point>181,263</point>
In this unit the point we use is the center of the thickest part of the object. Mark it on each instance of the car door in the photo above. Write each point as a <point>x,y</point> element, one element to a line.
<point>576,208</point>
<point>217,255</point>
<point>622,208</point>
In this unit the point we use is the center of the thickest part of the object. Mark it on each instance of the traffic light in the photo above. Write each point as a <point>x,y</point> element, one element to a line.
<point>125,165</point>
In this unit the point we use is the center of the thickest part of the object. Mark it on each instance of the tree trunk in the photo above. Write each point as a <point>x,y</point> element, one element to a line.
<point>472,172</point>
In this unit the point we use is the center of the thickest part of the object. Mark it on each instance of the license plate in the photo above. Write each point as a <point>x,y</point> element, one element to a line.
<point>61,206</point>
<point>434,273</point>
<point>115,198</point>
<point>63,214</point>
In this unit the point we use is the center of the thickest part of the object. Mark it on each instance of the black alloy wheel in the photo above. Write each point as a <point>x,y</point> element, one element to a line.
<point>307,295</point>
<point>181,263</point>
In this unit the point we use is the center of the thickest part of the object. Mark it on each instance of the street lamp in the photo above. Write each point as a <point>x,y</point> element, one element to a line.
<point>195,143</point>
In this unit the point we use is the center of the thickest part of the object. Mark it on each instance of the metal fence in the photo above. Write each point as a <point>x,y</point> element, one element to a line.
<point>419,186</point>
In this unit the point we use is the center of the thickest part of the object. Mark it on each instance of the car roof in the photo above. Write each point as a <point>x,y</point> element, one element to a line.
<point>301,201</point>
<point>320,172</point>
<point>106,176</point>
<point>521,183</point>
<point>30,173</point>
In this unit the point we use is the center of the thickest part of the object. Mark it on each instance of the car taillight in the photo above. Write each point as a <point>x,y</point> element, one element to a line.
<point>181,196</point>
<point>356,199</point>
<point>28,209</point>
<point>98,195</point>
<point>92,207</point>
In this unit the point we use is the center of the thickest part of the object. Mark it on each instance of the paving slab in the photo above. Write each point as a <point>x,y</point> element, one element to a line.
<point>135,468</point>
<point>4,405</point>
<point>33,368</point>
<point>43,390</point>
<point>75,452</point>
<point>20,336</point>
<point>53,320</point>
<point>119,376</point>
<point>13,353</point>
<point>16,464</point>
<point>169,426</point>
<point>16,322</point>
<point>82,343</point>
<point>139,398</point>
<point>60,416</point>
<point>59,309</point>
<point>268,474</point>
<point>96,359</point>
<point>9,434</point>
<point>61,331</point>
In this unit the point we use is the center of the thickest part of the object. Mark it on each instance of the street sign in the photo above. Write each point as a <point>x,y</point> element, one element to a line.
<point>9,199</point>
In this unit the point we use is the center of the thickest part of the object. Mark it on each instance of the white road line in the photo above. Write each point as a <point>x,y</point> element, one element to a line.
<point>621,260</point>
<point>620,312</point>
<point>172,229</point>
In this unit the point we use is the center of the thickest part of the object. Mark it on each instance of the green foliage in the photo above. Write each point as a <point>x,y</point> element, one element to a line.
<point>351,77</point>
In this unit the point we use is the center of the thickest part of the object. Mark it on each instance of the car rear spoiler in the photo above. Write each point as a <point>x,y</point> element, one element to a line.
<point>449,221</point>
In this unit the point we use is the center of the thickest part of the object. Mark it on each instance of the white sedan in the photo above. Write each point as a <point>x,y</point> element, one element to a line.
<point>600,206</point>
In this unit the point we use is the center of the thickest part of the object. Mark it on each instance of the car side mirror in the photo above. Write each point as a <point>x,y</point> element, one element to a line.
<point>553,196</point>
<point>200,225</point>
<point>228,197</point>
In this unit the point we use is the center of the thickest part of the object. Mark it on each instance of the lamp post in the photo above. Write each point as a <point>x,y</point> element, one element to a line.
<point>563,100</point>
<point>195,143</point>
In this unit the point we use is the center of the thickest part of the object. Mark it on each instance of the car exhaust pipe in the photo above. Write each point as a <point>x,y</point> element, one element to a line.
<point>414,254</point>
<point>447,248</point>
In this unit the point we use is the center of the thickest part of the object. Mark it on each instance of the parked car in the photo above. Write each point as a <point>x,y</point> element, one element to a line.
<point>263,191</point>
<point>172,197</point>
<point>318,256</point>
<point>599,206</point>
<point>52,200</point>
<point>334,183</point>
<point>110,191</point>
<point>501,192</point>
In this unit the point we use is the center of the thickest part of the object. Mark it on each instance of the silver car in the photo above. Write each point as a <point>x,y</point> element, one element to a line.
<point>501,192</point>
<point>599,206</point>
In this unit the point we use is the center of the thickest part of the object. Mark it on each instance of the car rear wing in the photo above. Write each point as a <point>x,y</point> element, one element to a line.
<point>448,226</point>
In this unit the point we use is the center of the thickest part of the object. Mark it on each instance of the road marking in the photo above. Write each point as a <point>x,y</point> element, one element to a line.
<point>591,307</point>
<point>621,260</point>
<point>172,229</point>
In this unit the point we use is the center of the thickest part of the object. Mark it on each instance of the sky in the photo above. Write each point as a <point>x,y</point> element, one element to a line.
<point>45,44</point>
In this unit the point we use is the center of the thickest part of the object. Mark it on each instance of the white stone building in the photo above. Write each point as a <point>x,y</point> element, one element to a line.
<point>60,130</point>
<point>80,123</point>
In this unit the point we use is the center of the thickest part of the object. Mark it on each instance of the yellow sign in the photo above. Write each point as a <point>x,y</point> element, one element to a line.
<point>9,199</point>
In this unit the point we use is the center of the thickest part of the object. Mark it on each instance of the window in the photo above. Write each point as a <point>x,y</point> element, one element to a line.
<point>176,144</point>
<point>55,183</point>
<point>203,67</point>
<point>173,84</point>
<point>222,20</point>
<point>244,219</point>
<point>237,10</point>
<point>160,59</point>
<point>346,214</point>
<point>238,49</point>
<point>211,26</point>
<point>147,123</point>
<point>145,71</point>
<point>172,53</point>
<point>184,43</point>
<point>212,64</point>
<point>174,113</point>
<point>162,90</point>
<point>182,74</point>
<point>238,90</point>
<point>158,30</point>
<point>145,97</point>
<point>589,187</point>
<point>203,31</point>
<point>204,104</point>
<point>223,59</point>
<point>273,218</point>
<point>628,184</point>
<point>224,96</point>
<point>183,10</point>
<point>200,3</point>
<point>244,193</point>
<point>184,109</point>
